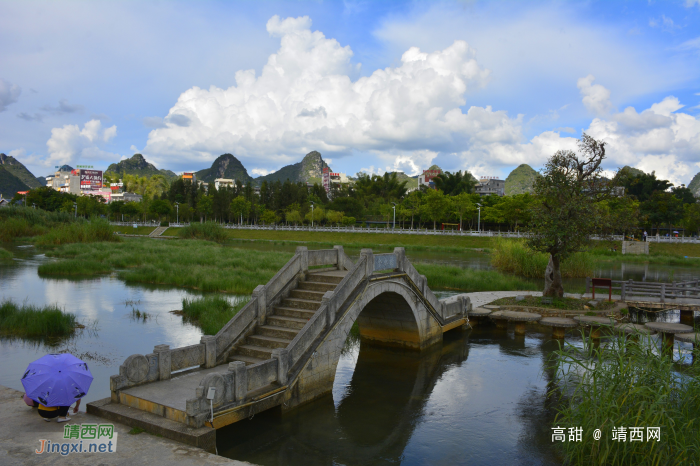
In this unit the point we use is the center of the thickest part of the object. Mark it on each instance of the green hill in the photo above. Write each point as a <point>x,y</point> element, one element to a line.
<point>138,166</point>
<point>411,182</point>
<point>12,165</point>
<point>308,170</point>
<point>10,184</point>
<point>694,185</point>
<point>225,166</point>
<point>520,180</point>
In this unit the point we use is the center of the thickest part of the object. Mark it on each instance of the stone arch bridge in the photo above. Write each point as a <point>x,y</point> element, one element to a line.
<point>283,347</point>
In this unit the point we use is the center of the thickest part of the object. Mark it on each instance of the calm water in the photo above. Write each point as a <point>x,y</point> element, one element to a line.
<point>477,398</point>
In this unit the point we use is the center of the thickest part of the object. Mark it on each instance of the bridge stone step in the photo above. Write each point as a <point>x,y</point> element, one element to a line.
<point>305,314</point>
<point>268,342</point>
<point>255,351</point>
<point>280,321</point>
<point>317,286</point>
<point>248,360</point>
<point>278,331</point>
<point>308,295</point>
<point>318,278</point>
<point>301,303</point>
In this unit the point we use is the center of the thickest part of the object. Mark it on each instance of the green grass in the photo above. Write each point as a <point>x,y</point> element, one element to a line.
<point>627,384</point>
<point>449,277</point>
<point>95,230</point>
<point>209,231</point>
<point>201,265</point>
<point>32,321</point>
<point>569,304</point>
<point>5,255</point>
<point>369,240</point>
<point>12,228</point>
<point>515,257</point>
<point>20,222</point>
<point>125,230</point>
<point>211,313</point>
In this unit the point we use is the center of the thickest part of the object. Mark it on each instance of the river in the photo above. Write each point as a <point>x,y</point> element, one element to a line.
<point>477,398</point>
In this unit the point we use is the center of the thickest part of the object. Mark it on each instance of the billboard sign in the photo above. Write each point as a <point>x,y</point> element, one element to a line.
<point>327,179</point>
<point>90,179</point>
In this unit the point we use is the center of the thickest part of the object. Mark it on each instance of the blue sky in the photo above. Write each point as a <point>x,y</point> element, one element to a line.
<point>373,86</point>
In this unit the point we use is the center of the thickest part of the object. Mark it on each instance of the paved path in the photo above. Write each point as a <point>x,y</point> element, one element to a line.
<point>484,297</point>
<point>21,428</point>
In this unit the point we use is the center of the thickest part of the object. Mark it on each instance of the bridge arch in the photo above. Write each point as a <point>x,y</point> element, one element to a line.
<point>389,313</point>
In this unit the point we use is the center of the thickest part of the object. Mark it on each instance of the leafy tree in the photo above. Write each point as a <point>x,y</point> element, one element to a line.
<point>293,216</point>
<point>205,206</point>
<point>684,194</point>
<point>566,212</point>
<point>622,214</point>
<point>160,208</point>
<point>334,217</point>
<point>435,206</point>
<point>513,210</point>
<point>347,221</point>
<point>453,184</point>
<point>644,185</point>
<point>663,208</point>
<point>131,209</point>
<point>269,217</point>
<point>318,215</point>
<point>240,208</point>
<point>413,203</point>
<point>388,187</point>
<point>462,206</point>
<point>691,217</point>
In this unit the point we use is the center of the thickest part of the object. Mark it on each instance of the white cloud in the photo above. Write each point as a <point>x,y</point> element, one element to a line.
<point>666,24</point>
<point>691,3</point>
<point>259,172</point>
<point>596,98</point>
<point>9,93</point>
<point>304,99</point>
<point>70,142</point>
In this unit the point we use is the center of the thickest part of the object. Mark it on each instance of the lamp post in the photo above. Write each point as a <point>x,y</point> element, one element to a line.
<point>479,224</point>
<point>312,215</point>
<point>177,210</point>
<point>75,204</point>
<point>34,205</point>
<point>394,207</point>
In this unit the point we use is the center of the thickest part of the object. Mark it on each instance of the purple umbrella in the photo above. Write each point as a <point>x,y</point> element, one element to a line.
<point>57,379</point>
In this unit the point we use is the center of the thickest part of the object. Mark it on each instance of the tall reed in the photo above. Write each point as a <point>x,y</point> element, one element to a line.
<point>515,257</point>
<point>211,313</point>
<point>627,384</point>
<point>33,321</point>
<point>5,255</point>
<point>96,229</point>
<point>209,231</point>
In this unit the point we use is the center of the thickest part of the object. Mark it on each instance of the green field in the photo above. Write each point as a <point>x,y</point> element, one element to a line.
<point>134,231</point>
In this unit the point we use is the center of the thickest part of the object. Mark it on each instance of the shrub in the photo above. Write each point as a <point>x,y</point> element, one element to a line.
<point>515,257</point>
<point>95,230</point>
<point>5,255</point>
<point>209,230</point>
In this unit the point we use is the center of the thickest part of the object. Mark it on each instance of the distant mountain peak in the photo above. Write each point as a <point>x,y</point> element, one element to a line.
<point>520,180</point>
<point>138,166</point>
<point>225,166</point>
<point>694,185</point>
<point>310,169</point>
<point>18,170</point>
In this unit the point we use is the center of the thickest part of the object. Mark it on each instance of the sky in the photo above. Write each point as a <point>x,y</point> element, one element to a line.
<point>374,86</point>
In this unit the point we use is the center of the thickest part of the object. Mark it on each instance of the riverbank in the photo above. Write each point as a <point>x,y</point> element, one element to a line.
<point>22,429</point>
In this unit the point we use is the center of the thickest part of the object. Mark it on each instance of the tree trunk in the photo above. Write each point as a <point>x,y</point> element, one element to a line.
<point>552,279</point>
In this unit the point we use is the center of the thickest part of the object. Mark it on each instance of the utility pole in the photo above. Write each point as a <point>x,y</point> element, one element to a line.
<point>312,215</point>
<point>75,204</point>
<point>177,209</point>
<point>394,207</point>
<point>479,223</point>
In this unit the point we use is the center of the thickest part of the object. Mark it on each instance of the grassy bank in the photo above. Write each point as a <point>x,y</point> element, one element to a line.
<point>211,313</point>
<point>93,231</point>
<point>32,321</point>
<point>201,265</point>
<point>631,385</point>
<point>449,277</point>
<point>514,257</point>
<point>5,255</point>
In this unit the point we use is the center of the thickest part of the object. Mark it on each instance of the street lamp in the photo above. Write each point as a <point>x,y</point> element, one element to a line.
<point>75,204</point>
<point>312,215</point>
<point>479,224</point>
<point>394,207</point>
<point>34,205</point>
<point>177,209</point>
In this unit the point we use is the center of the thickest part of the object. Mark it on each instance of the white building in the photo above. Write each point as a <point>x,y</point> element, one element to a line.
<point>224,182</point>
<point>491,185</point>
